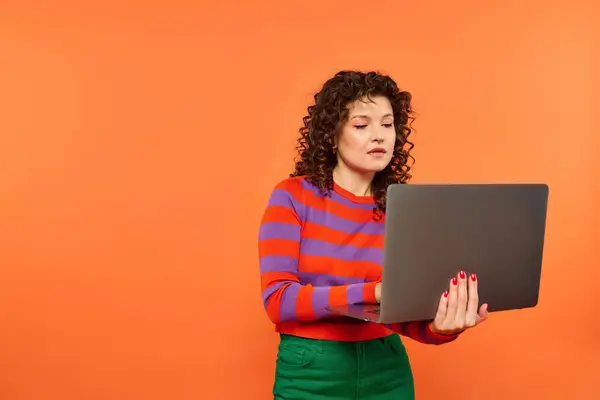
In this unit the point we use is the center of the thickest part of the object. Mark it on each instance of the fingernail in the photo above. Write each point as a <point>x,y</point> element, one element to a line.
<point>462,275</point>
<point>454,281</point>
<point>445,293</point>
<point>473,277</point>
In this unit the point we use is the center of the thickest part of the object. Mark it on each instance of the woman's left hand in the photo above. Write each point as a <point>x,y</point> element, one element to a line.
<point>457,309</point>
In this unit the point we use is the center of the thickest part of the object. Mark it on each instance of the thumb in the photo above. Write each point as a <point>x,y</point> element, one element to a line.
<point>483,313</point>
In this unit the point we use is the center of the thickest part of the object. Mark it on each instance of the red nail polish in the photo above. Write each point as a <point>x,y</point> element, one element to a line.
<point>445,293</point>
<point>462,275</point>
<point>473,277</point>
<point>454,281</point>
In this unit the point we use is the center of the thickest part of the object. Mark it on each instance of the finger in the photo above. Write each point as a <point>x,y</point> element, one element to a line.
<point>473,302</point>
<point>462,297</point>
<point>483,312</point>
<point>482,315</point>
<point>484,309</point>
<point>452,301</point>
<point>440,315</point>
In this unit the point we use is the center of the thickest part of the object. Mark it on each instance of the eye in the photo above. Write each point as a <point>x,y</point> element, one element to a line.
<point>388,125</point>
<point>360,126</point>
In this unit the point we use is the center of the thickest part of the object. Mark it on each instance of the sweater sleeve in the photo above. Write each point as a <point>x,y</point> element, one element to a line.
<point>420,331</point>
<point>284,297</point>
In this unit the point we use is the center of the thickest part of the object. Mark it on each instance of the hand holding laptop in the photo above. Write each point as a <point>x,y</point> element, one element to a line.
<point>457,309</point>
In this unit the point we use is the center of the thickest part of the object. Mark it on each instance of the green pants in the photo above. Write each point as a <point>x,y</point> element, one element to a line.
<point>309,369</point>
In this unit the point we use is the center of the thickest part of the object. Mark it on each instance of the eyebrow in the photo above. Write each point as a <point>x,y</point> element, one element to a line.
<point>367,117</point>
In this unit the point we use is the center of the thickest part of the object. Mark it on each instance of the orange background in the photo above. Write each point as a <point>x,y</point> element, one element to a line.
<point>139,143</point>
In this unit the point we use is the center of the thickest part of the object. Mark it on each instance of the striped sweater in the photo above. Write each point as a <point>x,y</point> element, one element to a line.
<point>317,250</point>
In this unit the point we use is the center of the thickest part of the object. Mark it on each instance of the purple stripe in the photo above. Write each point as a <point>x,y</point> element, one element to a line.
<point>278,264</point>
<point>341,224</point>
<point>327,280</point>
<point>338,198</point>
<point>320,300</point>
<point>423,336</point>
<point>279,230</point>
<point>270,290</point>
<point>282,198</point>
<point>355,294</point>
<point>287,312</point>
<point>319,248</point>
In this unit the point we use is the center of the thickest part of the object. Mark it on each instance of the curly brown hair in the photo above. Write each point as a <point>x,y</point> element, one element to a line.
<point>330,112</point>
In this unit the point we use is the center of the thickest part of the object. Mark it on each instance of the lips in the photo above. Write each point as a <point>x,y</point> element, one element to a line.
<point>377,150</point>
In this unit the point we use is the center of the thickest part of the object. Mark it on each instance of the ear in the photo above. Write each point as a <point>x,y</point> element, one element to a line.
<point>335,142</point>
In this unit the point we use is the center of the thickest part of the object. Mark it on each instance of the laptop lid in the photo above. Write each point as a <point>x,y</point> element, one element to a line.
<point>433,231</point>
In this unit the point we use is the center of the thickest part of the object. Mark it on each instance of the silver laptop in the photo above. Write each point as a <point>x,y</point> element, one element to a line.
<point>433,231</point>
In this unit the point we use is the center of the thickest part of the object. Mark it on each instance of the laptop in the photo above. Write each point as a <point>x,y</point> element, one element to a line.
<point>433,231</point>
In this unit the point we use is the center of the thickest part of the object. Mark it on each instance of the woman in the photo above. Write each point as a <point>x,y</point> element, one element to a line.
<point>321,241</point>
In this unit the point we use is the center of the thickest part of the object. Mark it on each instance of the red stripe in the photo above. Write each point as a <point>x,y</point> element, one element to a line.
<point>413,332</point>
<point>369,292</point>
<point>304,308</point>
<point>279,214</point>
<point>273,306</point>
<point>337,295</point>
<point>279,247</point>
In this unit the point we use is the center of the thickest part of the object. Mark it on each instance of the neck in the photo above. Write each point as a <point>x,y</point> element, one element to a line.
<point>355,182</point>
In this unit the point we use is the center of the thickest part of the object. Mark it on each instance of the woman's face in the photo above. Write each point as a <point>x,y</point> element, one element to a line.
<point>366,141</point>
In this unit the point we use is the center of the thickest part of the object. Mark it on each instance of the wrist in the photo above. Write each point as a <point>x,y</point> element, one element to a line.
<point>433,329</point>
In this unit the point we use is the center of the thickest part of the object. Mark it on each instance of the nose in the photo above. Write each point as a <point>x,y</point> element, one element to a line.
<point>377,135</point>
